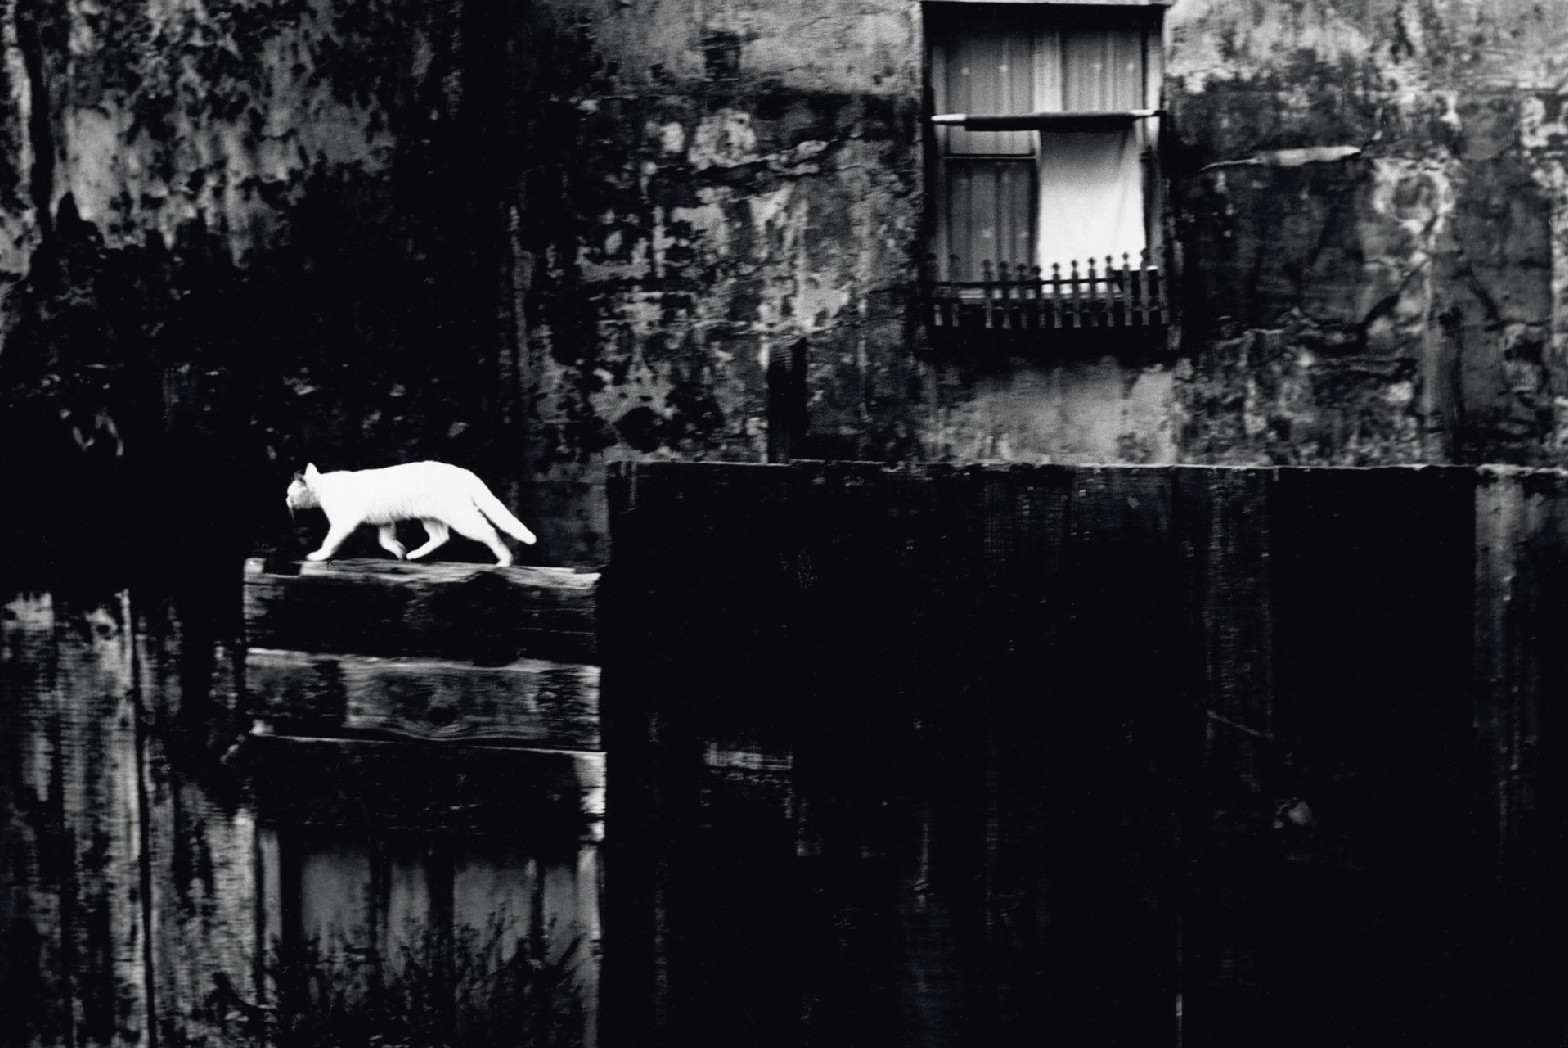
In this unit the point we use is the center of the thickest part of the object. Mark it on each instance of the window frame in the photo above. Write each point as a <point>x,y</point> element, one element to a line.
<point>1137,296</point>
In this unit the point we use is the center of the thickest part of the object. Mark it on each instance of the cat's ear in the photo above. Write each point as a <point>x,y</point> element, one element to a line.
<point>311,471</point>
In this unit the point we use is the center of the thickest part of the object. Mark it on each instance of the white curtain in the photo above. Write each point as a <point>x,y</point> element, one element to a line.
<point>1091,182</point>
<point>1091,199</point>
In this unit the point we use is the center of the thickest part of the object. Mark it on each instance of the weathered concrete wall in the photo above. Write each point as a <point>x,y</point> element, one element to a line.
<point>1400,305</point>
<point>1072,411</point>
<point>720,189</point>
<point>537,240</point>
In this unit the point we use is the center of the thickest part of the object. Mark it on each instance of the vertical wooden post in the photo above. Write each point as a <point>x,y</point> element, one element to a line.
<point>201,862</point>
<point>82,850</point>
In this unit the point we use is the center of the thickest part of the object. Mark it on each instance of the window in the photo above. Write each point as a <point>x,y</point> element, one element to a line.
<point>1045,178</point>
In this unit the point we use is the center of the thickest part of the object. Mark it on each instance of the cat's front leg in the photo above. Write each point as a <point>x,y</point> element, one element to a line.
<point>329,545</point>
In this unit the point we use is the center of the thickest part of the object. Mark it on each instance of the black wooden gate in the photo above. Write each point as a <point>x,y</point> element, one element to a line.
<point>1131,756</point>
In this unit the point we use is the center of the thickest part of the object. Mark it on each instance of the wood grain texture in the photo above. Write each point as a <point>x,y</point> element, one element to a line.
<point>1223,527</point>
<point>533,795</point>
<point>531,700</point>
<point>81,913</point>
<point>474,613</point>
<point>36,969</point>
<point>1521,664</point>
<point>201,870</point>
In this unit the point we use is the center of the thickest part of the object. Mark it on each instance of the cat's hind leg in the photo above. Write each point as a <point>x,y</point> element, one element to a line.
<point>438,534</point>
<point>387,536</point>
<point>473,526</point>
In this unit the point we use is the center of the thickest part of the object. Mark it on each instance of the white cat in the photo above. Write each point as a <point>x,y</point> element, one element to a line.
<point>442,497</point>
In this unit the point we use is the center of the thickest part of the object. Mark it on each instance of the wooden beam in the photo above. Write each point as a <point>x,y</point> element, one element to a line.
<point>469,612</point>
<point>530,700</point>
<point>380,788</point>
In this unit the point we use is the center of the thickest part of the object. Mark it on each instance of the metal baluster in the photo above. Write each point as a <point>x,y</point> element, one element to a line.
<point>1029,289</point>
<point>1056,294</point>
<point>1037,283</point>
<point>1077,305</point>
<point>985,290</point>
<point>1128,304</point>
<point>1095,295</point>
<point>1003,294</point>
<point>1143,292</point>
<point>1112,289</point>
<point>955,302</point>
<point>932,288</point>
<point>1156,291</point>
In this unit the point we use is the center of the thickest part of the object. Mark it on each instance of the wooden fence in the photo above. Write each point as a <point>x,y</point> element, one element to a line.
<point>371,816</point>
<point>1123,756</point>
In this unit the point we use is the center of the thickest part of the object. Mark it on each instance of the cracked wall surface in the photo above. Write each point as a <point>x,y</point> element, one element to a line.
<point>1401,304</point>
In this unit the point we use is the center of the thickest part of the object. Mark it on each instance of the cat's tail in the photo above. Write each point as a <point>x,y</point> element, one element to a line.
<point>500,516</point>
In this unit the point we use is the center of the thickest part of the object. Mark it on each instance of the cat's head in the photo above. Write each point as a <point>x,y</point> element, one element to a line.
<point>302,492</point>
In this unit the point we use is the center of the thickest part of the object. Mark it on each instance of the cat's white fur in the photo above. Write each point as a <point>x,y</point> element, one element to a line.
<point>442,497</point>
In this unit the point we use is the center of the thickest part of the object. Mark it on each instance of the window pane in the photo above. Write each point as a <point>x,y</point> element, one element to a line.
<point>989,71</point>
<point>1103,69</point>
<point>990,209</point>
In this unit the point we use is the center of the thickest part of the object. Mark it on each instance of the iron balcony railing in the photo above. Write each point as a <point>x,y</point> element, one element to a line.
<point>1019,297</point>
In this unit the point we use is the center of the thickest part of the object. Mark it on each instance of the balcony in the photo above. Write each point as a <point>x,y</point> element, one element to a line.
<point>1023,298</point>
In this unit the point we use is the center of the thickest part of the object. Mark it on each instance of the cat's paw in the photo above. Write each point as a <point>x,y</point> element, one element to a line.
<point>503,562</point>
<point>319,554</point>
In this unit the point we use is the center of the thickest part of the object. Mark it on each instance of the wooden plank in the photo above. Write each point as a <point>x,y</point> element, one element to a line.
<point>201,844</point>
<point>35,846</point>
<point>1500,537</point>
<point>531,963</point>
<point>1016,628</point>
<point>378,788</point>
<point>492,940</point>
<point>1223,527</point>
<point>713,553</point>
<point>1373,830</point>
<point>334,910</point>
<point>585,902</point>
<point>530,700</point>
<point>76,782</point>
<point>1521,617</point>
<point>1115,736</point>
<point>476,613</point>
<point>109,819</point>
<point>406,885</point>
<point>270,949</point>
